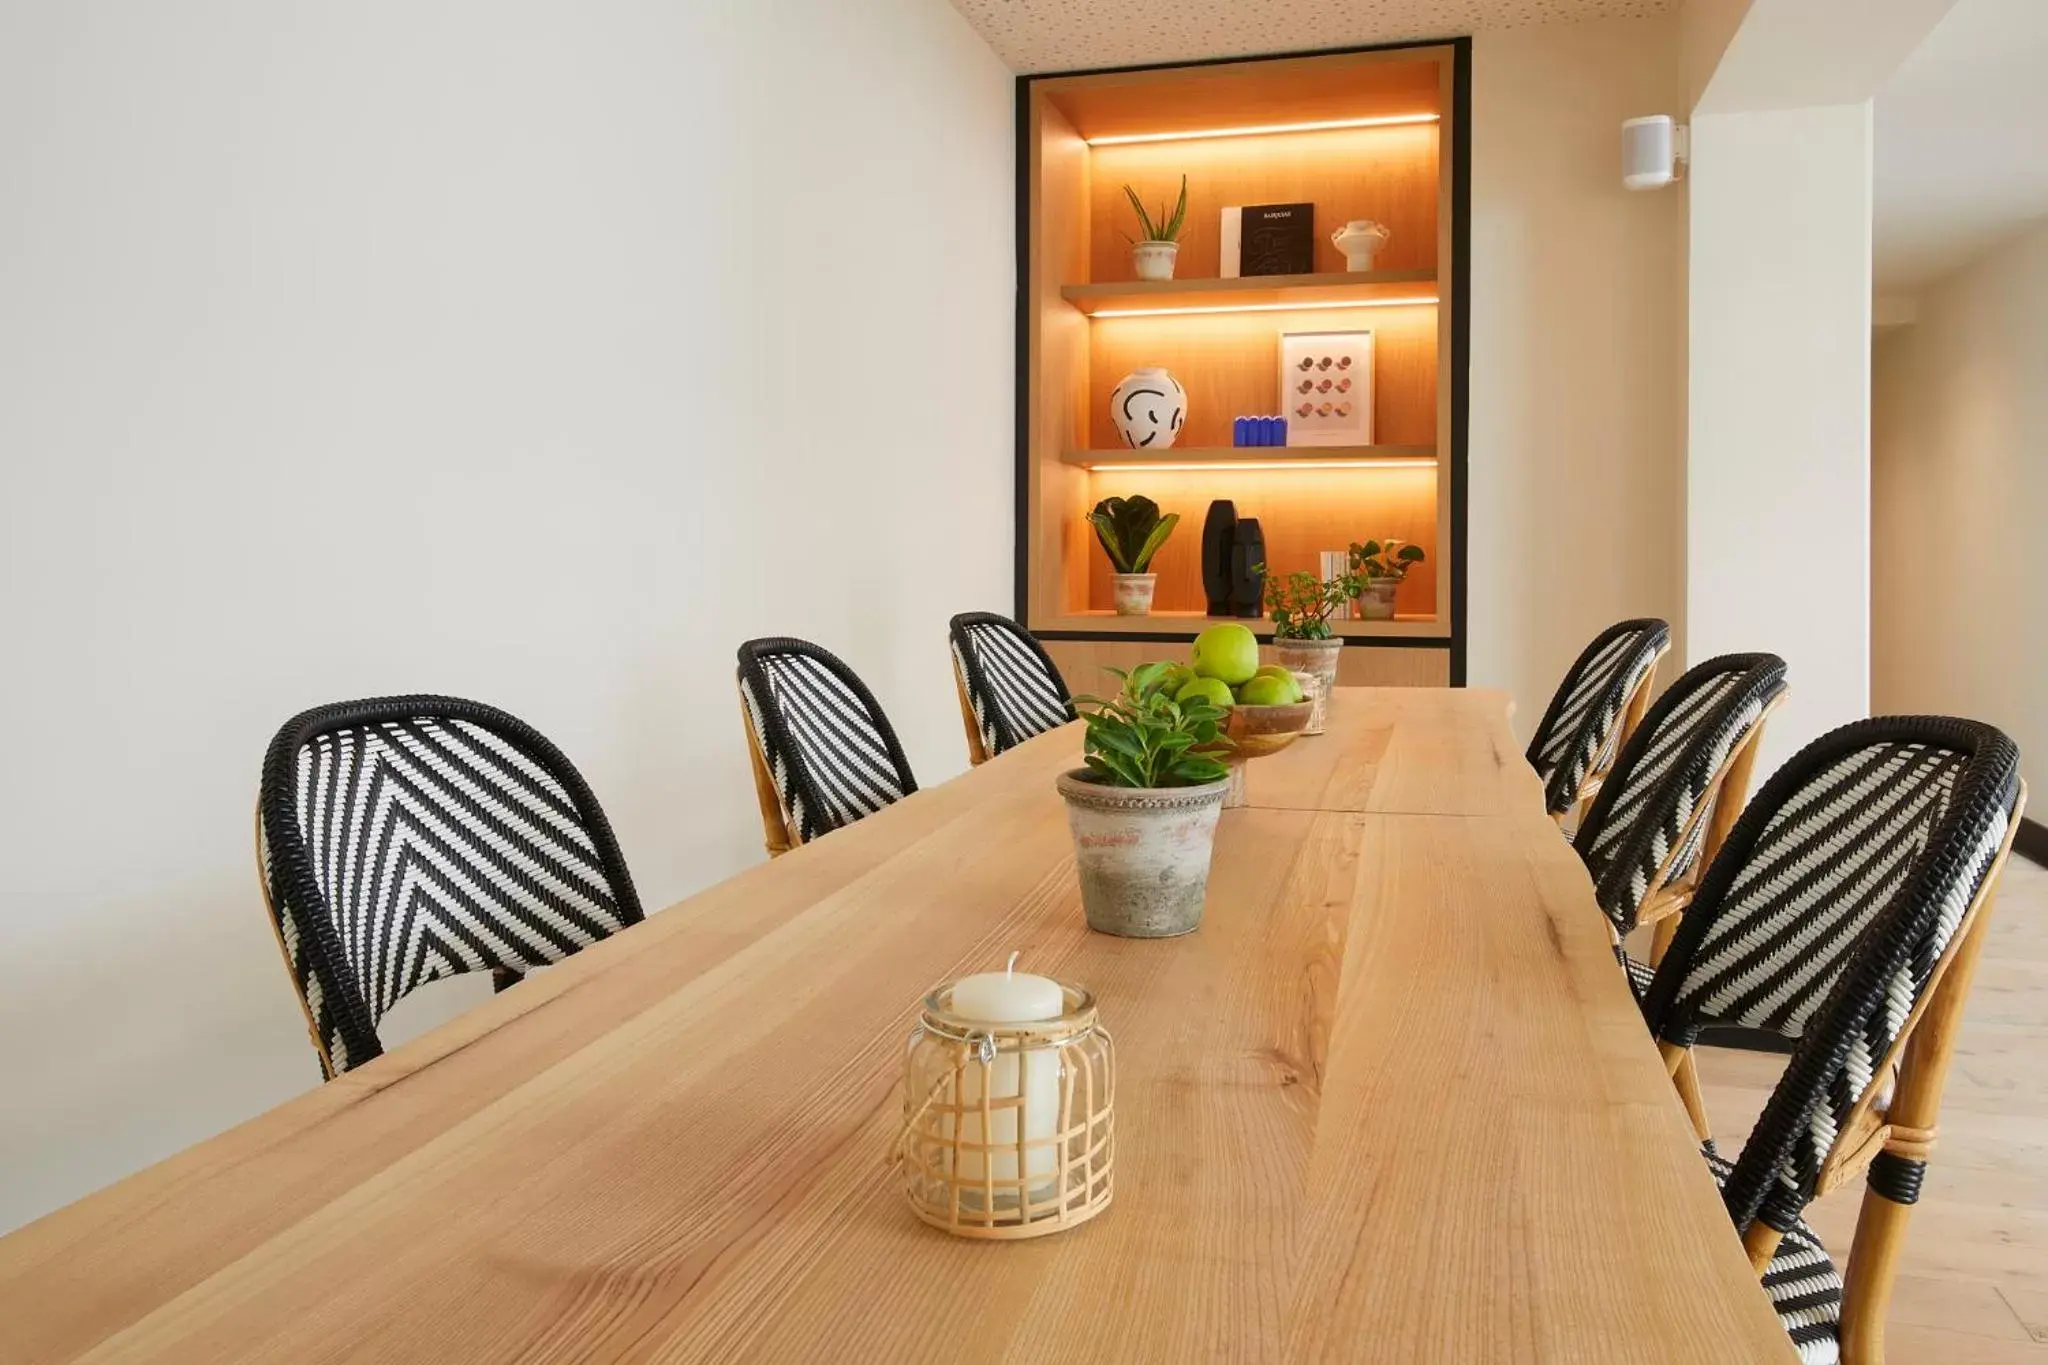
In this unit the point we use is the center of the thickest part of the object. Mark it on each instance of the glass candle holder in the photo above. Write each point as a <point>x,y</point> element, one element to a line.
<point>1008,1128</point>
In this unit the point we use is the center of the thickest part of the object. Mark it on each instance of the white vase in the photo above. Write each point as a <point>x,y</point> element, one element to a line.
<point>1154,260</point>
<point>1147,407</point>
<point>1360,240</point>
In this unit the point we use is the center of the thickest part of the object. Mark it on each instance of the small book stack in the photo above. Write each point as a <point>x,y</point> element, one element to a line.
<point>1336,563</point>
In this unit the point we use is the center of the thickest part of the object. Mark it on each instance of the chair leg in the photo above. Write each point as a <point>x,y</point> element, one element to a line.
<point>1687,1079</point>
<point>1661,934</point>
<point>1893,1185</point>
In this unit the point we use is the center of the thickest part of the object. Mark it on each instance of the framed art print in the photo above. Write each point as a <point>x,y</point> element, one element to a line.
<point>1326,388</point>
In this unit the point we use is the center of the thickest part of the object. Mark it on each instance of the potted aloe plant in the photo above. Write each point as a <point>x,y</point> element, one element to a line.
<point>1143,811</point>
<point>1380,566</point>
<point>1153,253</point>
<point>1300,606</point>
<point>1131,531</point>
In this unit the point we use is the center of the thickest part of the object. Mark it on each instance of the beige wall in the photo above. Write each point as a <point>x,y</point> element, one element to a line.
<point>536,353</point>
<point>1577,366</point>
<point>1959,583</point>
<point>1778,462</point>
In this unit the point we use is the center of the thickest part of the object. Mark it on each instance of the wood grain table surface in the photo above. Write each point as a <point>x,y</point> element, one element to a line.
<point>1392,1102</point>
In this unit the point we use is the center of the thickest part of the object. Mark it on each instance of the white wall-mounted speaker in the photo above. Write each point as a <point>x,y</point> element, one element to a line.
<point>1651,150</point>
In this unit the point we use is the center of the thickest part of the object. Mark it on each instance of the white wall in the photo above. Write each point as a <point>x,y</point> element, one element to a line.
<point>535,352</point>
<point>1577,367</point>
<point>1778,461</point>
<point>1959,588</point>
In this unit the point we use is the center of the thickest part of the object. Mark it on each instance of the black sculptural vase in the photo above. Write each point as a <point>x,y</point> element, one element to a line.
<point>1219,533</point>
<point>1247,584</point>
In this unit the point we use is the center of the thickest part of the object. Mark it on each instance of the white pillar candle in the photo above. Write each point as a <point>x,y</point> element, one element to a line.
<point>1011,997</point>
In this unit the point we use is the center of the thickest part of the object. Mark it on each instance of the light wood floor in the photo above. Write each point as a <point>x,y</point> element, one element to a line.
<point>1974,1284</point>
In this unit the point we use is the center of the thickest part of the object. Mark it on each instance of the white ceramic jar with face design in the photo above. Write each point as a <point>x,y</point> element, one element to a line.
<point>1148,407</point>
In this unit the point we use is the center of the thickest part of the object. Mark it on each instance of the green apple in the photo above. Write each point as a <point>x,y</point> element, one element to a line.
<point>1229,654</point>
<point>1269,691</point>
<point>1274,671</point>
<point>1212,690</point>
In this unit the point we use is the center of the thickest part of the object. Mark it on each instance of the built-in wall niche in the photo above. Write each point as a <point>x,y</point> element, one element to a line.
<point>1367,135</point>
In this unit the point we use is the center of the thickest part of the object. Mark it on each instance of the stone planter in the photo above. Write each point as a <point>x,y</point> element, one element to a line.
<point>1142,852</point>
<point>1317,657</point>
<point>1134,592</point>
<point>1376,603</point>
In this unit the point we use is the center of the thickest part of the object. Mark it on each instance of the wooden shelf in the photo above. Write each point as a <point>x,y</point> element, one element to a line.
<point>1260,457</point>
<point>1155,297</point>
<point>1194,622</point>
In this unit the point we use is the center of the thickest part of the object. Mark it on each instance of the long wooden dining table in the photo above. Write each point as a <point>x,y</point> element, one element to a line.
<point>1392,1101</point>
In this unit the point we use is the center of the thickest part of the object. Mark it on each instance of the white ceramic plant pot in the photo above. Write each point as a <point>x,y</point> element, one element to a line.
<point>1360,240</point>
<point>1154,260</point>
<point>1134,593</point>
<point>1318,659</point>
<point>1142,853</point>
<point>1147,408</point>
<point>1376,603</point>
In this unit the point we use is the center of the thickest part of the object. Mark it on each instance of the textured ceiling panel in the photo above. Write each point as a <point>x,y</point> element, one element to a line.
<point>1079,35</point>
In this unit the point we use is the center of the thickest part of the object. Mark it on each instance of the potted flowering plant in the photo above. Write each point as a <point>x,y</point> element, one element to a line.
<point>1143,810</point>
<point>1380,566</point>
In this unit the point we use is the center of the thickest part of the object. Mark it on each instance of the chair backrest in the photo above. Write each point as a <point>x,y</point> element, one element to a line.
<point>1646,828</point>
<point>822,736</point>
<point>1012,689</point>
<point>404,839</point>
<point>1581,726</point>
<point>1823,919</point>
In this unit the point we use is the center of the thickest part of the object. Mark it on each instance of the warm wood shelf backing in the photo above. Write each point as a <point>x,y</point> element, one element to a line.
<point>1258,457</point>
<point>1260,92</point>
<point>1385,174</point>
<point>1194,622</point>
<point>1229,364</point>
<point>1261,291</point>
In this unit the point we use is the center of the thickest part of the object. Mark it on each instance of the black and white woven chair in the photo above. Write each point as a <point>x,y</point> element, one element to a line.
<point>1845,914</point>
<point>1010,691</point>
<point>1594,710</point>
<point>1675,791</point>
<point>823,753</point>
<point>404,839</point>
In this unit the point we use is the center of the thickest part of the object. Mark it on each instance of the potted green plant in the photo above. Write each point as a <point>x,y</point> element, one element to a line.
<point>1143,811</point>
<point>1300,606</point>
<point>1381,565</point>
<point>1153,253</point>
<point>1131,531</point>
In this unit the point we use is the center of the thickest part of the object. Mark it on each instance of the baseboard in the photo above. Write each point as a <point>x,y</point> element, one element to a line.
<point>2031,842</point>
<point>1748,1039</point>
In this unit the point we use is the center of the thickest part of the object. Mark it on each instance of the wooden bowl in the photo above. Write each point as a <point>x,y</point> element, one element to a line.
<point>1255,731</point>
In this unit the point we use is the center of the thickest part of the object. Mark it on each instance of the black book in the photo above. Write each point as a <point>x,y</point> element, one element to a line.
<point>1275,239</point>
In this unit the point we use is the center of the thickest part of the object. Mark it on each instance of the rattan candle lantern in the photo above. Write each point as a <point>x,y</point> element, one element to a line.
<point>1008,1121</point>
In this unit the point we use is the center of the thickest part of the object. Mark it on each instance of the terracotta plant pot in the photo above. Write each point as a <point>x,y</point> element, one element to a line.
<point>1134,593</point>
<point>1142,853</point>
<point>1376,603</point>
<point>1317,657</point>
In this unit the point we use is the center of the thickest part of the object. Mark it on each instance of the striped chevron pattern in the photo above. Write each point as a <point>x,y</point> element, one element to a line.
<point>1803,1286</point>
<point>1651,814</point>
<point>1823,917</point>
<point>830,750</point>
<point>414,838</point>
<point>1580,729</point>
<point>1011,684</point>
